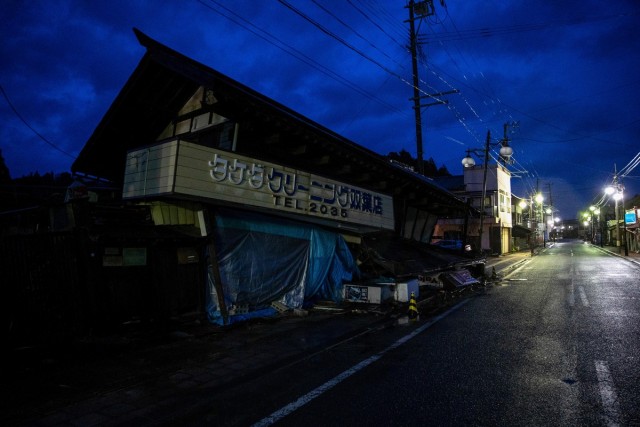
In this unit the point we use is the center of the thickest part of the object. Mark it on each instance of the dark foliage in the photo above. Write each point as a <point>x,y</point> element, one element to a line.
<point>5,176</point>
<point>430,168</point>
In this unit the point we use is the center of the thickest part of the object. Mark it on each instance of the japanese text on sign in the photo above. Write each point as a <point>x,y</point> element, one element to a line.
<point>295,190</point>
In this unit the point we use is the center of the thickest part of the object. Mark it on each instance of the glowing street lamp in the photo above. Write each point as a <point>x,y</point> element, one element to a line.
<point>594,213</point>
<point>555,226</point>
<point>617,191</point>
<point>539,199</point>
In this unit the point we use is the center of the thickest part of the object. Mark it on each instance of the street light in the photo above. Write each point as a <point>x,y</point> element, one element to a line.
<point>523,205</point>
<point>469,162</point>
<point>586,221</point>
<point>596,227</point>
<point>596,212</point>
<point>539,199</point>
<point>547,223</point>
<point>593,233</point>
<point>617,190</point>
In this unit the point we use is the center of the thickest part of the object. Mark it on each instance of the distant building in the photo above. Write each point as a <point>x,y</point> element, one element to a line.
<point>523,223</point>
<point>498,220</point>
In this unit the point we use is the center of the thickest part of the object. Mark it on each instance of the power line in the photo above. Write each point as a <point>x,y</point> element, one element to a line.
<point>334,36</point>
<point>492,96</point>
<point>271,39</point>
<point>373,22</point>
<point>15,111</point>
<point>532,117</point>
<point>511,29</point>
<point>347,44</point>
<point>329,12</point>
<point>383,15</point>
<point>630,166</point>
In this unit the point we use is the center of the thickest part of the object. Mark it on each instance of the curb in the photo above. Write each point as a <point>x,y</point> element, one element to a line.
<point>627,258</point>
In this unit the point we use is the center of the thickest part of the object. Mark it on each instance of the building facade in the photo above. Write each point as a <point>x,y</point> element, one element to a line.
<point>283,211</point>
<point>497,220</point>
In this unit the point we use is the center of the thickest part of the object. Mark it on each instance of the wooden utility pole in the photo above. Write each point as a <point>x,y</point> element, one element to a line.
<point>420,10</point>
<point>413,47</point>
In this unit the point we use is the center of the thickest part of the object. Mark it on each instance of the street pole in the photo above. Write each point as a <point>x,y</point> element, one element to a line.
<point>544,230</point>
<point>600,226</point>
<point>530,226</point>
<point>539,221</point>
<point>484,187</point>
<point>617,225</point>
<point>624,214</point>
<point>420,10</point>
<point>416,86</point>
<point>616,186</point>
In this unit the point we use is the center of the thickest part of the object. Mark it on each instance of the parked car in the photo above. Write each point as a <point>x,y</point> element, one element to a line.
<point>449,244</point>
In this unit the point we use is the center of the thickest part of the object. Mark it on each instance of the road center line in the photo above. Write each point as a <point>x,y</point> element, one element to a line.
<point>572,295</point>
<point>607,393</point>
<point>572,289</point>
<point>583,296</point>
<point>301,401</point>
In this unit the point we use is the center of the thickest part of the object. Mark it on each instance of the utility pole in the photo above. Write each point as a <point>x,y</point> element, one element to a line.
<point>546,224</point>
<point>615,183</point>
<point>413,47</point>
<point>484,189</point>
<point>420,10</point>
<point>619,196</point>
<point>540,224</point>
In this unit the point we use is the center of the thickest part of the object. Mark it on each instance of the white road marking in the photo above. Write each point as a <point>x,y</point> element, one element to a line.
<point>293,406</point>
<point>572,295</point>
<point>572,289</point>
<point>607,394</point>
<point>583,296</point>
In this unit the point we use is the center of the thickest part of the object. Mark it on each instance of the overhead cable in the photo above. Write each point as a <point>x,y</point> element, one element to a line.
<point>270,38</point>
<point>510,29</point>
<point>15,111</point>
<point>345,43</point>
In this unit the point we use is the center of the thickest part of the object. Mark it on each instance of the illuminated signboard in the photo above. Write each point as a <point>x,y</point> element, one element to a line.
<point>183,168</point>
<point>630,217</point>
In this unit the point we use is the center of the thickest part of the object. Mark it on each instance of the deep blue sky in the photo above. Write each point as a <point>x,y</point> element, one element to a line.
<point>567,72</point>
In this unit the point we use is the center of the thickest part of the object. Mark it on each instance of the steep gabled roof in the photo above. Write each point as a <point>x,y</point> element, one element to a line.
<point>164,81</point>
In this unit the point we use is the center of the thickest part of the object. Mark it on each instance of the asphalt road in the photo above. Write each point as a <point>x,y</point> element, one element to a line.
<point>557,343</point>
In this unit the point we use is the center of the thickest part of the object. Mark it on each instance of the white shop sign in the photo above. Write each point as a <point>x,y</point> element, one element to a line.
<point>180,167</point>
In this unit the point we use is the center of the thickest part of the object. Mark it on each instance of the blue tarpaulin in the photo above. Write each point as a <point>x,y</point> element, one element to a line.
<point>263,259</point>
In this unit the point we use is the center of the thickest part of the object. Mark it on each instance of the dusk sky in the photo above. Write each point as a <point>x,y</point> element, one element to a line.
<point>565,71</point>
